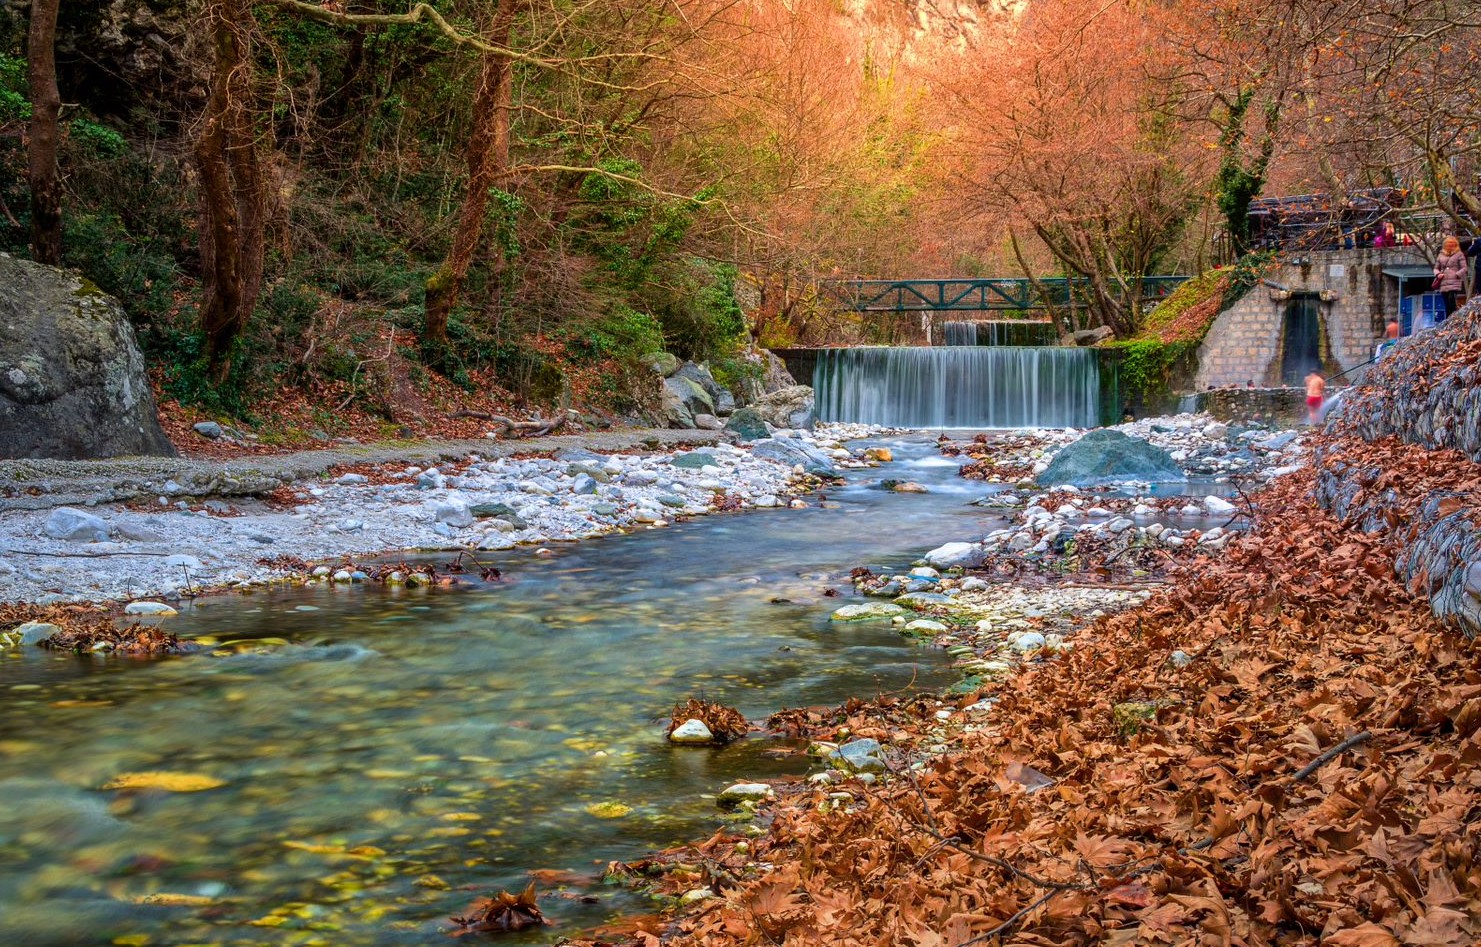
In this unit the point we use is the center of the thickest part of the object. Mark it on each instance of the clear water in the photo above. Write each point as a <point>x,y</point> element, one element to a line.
<point>455,733</point>
<point>959,387</point>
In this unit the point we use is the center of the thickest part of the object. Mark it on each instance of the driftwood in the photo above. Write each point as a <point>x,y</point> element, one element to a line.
<point>504,427</point>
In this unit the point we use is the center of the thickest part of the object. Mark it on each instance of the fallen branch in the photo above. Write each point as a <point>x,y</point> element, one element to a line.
<point>1331,754</point>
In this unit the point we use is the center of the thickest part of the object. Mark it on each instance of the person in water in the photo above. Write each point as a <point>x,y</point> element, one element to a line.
<point>1316,390</point>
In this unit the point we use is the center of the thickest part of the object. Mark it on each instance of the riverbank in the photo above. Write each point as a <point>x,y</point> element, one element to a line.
<point>1276,748</point>
<point>94,532</point>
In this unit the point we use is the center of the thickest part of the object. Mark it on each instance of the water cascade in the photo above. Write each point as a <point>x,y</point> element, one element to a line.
<point>965,386</point>
<point>999,332</point>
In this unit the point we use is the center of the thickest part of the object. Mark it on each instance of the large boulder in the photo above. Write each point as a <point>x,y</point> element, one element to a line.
<point>776,377</point>
<point>688,394</point>
<point>72,383</point>
<point>1107,457</point>
<point>790,408</point>
<point>661,363</point>
<point>1093,336</point>
<point>701,376</point>
<point>747,425</point>
<point>793,453</point>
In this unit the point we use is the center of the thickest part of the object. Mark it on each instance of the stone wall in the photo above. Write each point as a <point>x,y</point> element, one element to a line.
<point>1245,342</point>
<point>1282,406</point>
<point>1427,391</point>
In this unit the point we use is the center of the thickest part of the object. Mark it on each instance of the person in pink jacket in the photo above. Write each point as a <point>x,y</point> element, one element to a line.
<point>1450,274</point>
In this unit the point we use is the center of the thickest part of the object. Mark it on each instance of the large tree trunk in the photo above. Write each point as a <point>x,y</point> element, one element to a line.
<point>46,105</point>
<point>232,199</point>
<point>488,160</point>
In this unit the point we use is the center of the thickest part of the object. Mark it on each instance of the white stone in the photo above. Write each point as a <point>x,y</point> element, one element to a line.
<point>1218,505</point>
<point>965,555</point>
<point>159,609</point>
<point>75,526</point>
<point>867,610</point>
<point>1025,641</point>
<point>692,731</point>
<point>453,511</point>
<point>744,792</point>
<point>925,624</point>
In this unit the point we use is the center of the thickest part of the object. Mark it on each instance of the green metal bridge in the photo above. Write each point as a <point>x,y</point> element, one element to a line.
<point>974,295</point>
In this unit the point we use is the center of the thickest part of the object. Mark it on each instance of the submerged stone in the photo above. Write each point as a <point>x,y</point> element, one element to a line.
<point>868,611</point>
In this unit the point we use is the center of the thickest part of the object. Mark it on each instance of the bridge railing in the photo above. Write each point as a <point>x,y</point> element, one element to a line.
<point>973,295</point>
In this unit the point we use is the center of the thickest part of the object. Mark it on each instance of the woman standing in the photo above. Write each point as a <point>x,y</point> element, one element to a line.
<point>1450,273</point>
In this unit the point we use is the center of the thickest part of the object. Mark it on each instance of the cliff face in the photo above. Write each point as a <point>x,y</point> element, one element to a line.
<point>921,29</point>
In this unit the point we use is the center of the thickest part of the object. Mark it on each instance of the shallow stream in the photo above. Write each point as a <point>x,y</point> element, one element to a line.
<point>405,752</point>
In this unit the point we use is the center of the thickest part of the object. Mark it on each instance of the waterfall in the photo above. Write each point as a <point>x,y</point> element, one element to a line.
<point>971,387</point>
<point>999,332</point>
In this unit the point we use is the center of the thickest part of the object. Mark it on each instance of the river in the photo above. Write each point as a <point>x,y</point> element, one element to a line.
<point>403,752</point>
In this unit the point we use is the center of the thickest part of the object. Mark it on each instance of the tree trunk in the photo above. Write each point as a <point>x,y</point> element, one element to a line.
<point>488,160</point>
<point>232,198</point>
<point>46,105</point>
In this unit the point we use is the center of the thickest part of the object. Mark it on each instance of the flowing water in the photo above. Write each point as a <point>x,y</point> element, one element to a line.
<point>402,753</point>
<point>959,387</point>
<point>999,332</point>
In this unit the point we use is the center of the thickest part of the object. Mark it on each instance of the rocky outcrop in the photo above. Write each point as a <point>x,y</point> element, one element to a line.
<point>72,382</point>
<point>1107,456</point>
<point>788,408</point>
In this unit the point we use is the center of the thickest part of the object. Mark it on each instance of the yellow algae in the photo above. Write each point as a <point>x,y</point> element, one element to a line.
<point>609,810</point>
<point>170,899</point>
<point>166,781</point>
<point>460,817</point>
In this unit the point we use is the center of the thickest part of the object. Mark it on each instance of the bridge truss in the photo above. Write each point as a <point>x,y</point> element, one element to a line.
<point>974,295</point>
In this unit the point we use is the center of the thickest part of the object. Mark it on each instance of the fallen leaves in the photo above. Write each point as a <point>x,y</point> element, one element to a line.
<point>725,723</point>
<point>502,913</point>
<point>1307,777</point>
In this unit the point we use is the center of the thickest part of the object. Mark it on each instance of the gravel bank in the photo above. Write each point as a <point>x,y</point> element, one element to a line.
<point>454,496</point>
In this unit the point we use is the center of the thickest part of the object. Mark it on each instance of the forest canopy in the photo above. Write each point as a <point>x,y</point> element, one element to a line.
<point>531,194</point>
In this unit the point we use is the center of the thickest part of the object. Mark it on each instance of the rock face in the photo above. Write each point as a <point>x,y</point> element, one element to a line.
<point>1108,456</point>
<point>72,383</point>
<point>790,408</point>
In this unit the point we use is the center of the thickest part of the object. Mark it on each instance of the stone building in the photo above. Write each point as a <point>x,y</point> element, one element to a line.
<point>1322,309</point>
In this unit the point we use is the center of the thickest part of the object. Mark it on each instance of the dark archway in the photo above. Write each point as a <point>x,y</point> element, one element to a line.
<point>1301,339</point>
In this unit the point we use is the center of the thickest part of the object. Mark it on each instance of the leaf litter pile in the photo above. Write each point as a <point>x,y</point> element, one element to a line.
<point>1280,748</point>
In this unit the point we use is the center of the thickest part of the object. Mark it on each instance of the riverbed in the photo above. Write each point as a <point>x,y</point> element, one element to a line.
<point>387,756</point>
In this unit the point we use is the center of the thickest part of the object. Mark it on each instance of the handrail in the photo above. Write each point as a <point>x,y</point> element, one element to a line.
<point>972,294</point>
